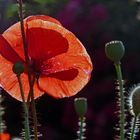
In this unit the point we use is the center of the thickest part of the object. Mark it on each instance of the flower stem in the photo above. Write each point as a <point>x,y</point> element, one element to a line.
<point>33,108</point>
<point>2,125</point>
<point>24,41</point>
<point>26,124</point>
<point>122,108</point>
<point>81,128</point>
<point>133,128</point>
<point>31,93</point>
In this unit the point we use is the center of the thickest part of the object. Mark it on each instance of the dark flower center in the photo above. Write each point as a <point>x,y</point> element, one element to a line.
<point>35,67</point>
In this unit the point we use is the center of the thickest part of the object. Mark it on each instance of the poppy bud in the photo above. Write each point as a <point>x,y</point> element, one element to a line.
<point>135,100</point>
<point>18,68</point>
<point>114,50</point>
<point>80,105</point>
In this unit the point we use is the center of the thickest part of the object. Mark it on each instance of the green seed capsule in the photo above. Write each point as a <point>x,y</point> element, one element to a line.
<point>115,50</point>
<point>18,68</point>
<point>80,105</point>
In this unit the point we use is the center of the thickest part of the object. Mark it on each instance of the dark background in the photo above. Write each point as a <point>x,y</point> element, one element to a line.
<point>94,22</point>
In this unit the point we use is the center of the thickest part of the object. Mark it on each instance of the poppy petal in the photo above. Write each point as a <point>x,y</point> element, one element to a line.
<point>75,57</point>
<point>43,17</point>
<point>13,33</point>
<point>45,43</point>
<point>14,38</point>
<point>8,81</point>
<point>65,62</point>
<point>7,51</point>
<point>67,66</point>
<point>58,86</point>
<point>65,75</point>
<point>71,44</point>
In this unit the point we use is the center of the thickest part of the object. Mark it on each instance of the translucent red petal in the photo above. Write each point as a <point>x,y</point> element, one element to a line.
<point>67,66</point>
<point>65,75</point>
<point>42,17</point>
<point>7,51</point>
<point>45,43</point>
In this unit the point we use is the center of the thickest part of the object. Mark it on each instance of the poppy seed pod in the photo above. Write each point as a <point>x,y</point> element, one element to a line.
<point>18,68</point>
<point>114,50</point>
<point>80,105</point>
<point>135,100</point>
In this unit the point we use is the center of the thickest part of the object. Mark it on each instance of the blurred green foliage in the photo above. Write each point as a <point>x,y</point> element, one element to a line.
<point>11,10</point>
<point>34,7</point>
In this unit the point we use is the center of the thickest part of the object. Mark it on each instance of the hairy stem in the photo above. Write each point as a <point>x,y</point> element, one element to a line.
<point>1,115</point>
<point>81,128</point>
<point>2,125</point>
<point>26,124</point>
<point>33,108</point>
<point>133,128</point>
<point>122,108</point>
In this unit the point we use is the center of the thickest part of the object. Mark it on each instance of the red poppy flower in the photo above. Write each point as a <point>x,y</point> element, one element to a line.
<point>4,136</point>
<point>56,57</point>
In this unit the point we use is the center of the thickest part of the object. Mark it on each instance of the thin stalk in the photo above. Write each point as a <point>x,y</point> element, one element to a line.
<point>33,108</point>
<point>26,124</point>
<point>0,122</point>
<point>81,128</point>
<point>31,94</point>
<point>80,133</point>
<point>122,108</point>
<point>133,128</point>
<point>24,42</point>
<point>1,114</point>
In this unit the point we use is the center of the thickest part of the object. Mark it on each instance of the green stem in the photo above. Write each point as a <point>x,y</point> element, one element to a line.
<point>1,114</point>
<point>34,110</point>
<point>0,122</point>
<point>31,94</point>
<point>133,128</point>
<point>81,128</point>
<point>122,108</point>
<point>24,42</point>
<point>26,124</point>
<point>34,118</point>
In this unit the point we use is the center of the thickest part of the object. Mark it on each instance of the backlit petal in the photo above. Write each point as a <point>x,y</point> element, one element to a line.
<point>7,51</point>
<point>59,88</point>
<point>45,43</point>
<point>14,38</point>
<point>64,63</point>
<point>74,45</point>
<point>13,33</point>
<point>42,17</point>
<point>76,58</point>
<point>64,83</point>
<point>8,81</point>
